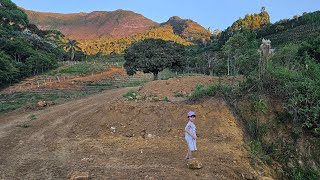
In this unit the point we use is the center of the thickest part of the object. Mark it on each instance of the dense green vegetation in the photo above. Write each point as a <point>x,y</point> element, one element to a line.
<point>251,21</point>
<point>24,49</point>
<point>291,71</point>
<point>286,24</point>
<point>81,68</point>
<point>28,100</point>
<point>153,56</point>
<point>288,74</point>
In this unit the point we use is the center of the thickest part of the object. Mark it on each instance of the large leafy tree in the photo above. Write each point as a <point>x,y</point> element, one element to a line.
<point>312,48</point>
<point>241,53</point>
<point>7,71</point>
<point>24,49</point>
<point>11,16</point>
<point>152,56</point>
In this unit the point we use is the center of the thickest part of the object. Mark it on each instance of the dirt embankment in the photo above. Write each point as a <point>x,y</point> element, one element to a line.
<point>105,137</point>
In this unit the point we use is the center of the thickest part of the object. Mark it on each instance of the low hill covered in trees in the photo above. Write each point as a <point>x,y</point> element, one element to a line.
<point>251,21</point>
<point>295,30</point>
<point>187,28</point>
<point>24,49</point>
<point>278,101</point>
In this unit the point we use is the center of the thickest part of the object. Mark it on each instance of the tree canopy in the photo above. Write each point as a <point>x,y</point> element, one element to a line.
<point>24,49</point>
<point>153,55</point>
<point>252,21</point>
<point>11,16</point>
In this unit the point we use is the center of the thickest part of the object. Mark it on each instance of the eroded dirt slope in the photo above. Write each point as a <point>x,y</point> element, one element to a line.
<point>105,137</point>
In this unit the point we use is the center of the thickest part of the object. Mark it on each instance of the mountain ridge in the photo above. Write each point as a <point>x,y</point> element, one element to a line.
<point>187,28</point>
<point>118,23</point>
<point>82,26</point>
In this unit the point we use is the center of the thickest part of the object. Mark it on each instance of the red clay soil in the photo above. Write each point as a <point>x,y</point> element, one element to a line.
<point>103,136</point>
<point>64,82</point>
<point>182,86</point>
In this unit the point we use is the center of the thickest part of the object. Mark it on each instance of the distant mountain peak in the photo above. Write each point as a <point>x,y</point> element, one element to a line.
<point>187,28</point>
<point>92,25</point>
<point>176,18</point>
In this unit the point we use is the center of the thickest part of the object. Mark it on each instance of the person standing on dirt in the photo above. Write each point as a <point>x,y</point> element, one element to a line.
<point>190,134</point>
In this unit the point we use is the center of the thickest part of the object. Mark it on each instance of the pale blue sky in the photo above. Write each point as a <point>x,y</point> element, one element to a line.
<point>208,13</point>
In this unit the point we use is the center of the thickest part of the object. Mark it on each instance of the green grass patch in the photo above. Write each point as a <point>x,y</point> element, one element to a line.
<point>32,117</point>
<point>130,83</point>
<point>130,95</point>
<point>82,68</point>
<point>255,129</point>
<point>258,152</point>
<point>110,59</point>
<point>167,74</point>
<point>79,68</point>
<point>24,125</point>
<point>166,99</point>
<point>16,100</point>
<point>299,173</point>
<point>179,94</point>
<point>10,102</point>
<point>207,91</point>
<point>133,83</point>
<point>117,63</point>
<point>99,85</point>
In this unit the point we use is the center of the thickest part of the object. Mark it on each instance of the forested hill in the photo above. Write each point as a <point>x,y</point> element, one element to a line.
<point>84,26</point>
<point>295,30</point>
<point>286,31</point>
<point>187,28</point>
<point>24,49</point>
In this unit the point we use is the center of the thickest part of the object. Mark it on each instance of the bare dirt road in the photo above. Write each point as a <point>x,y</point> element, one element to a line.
<point>103,136</point>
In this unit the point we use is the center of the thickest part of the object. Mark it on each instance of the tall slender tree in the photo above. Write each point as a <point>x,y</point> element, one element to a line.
<point>72,46</point>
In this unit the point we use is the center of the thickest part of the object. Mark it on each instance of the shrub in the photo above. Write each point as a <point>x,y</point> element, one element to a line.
<point>299,173</point>
<point>300,90</point>
<point>212,90</point>
<point>130,95</point>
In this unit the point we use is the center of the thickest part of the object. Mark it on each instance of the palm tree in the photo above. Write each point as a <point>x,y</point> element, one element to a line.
<point>71,46</point>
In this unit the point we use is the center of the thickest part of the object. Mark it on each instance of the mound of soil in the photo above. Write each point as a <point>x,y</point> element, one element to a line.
<point>103,136</point>
<point>182,86</point>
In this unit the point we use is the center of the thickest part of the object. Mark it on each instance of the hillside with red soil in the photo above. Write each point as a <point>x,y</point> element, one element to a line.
<point>84,26</point>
